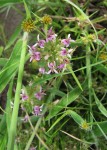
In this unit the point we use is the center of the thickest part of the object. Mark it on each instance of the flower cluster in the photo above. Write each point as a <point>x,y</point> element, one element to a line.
<point>51,53</point>
<point>28,103</point>
<point>28,25</point>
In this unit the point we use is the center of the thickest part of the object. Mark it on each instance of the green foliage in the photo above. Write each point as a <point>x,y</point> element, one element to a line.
<point>10,68</point>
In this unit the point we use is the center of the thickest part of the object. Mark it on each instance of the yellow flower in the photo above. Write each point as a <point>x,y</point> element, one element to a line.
<point>103,56</point>
<point>28,25</point>
<point>47,19</point>
<point>84,125</point>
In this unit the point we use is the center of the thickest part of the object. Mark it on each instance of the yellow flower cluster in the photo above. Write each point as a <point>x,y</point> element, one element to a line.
<point>47,19</point>
<point>85,125</point>
<point>28,25</point>
<point>103,56</point>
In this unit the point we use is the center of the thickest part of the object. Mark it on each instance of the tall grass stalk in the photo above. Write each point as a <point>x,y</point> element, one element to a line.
<point>88,71</point>
<point>13,125</point>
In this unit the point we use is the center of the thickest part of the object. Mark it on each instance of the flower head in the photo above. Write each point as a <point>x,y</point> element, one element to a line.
<point>32,48</point>
<point>40,43</point>
<point>26,118</point>
<point>66,42</point>
<point>39,95</point>
<point>37,110</point>
<point>52,66</point>
<point>28,25</point>
<point>103,56</point>
<point>32,148</point>
<point>35,56</point>
<point>63,52</point>
<point>47,19</point>
<point>85,125</point>
<point>51,36</point>
<point>23,95</point>
<point>61,66</point>
<point>42,70</point>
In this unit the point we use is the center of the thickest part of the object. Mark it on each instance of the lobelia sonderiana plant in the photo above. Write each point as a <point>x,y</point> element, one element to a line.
<point>52,54</point>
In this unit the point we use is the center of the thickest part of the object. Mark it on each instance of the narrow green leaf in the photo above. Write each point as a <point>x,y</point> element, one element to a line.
<point>77,118</point>
<point>8,106</point>
<point>74,76</point>
<point>103,126</point>
<point>28,15</point>
<point>102,109</point>
<point>11,66</point>
<point>3,2</point>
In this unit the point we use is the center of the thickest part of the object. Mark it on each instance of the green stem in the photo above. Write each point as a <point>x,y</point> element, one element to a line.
<point>88,70</point>
<point>13,125</point>
<point>33,134</point>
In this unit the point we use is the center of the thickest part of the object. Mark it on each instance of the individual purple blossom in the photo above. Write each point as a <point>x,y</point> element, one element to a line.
<point>63,52</point>
<point>42,70</point>
<point>51,36</point>
<point>61,66</point>
<point>35,56</point>
<point>26,118</point>
<point>33,148</point>
<point>23,95</point>
<point>39,95</point>
<point>52,67</point>
<point>67,53</point>
<point>32,48</point>
<point>40,43</point>
<point>37,110</point>
<point>66,42</point>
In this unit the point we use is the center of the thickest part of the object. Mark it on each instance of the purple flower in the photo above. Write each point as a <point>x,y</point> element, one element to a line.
<point>37,110</point>
<point>40,94</point>
<point>52,67</point>
<point>32,148</point>
<point>67,53</point>
<point>23,95</point>
<point>41,43</point>
<point>42,70</point>
<point>35,56</point>
<point>32,48</point>
<point>51,36</point>
<point>26,118</point>
<point>61,66</point>
<point>63,52</point>
<point>66,42</point>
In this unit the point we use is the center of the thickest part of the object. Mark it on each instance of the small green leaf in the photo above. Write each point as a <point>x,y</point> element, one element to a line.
<point>102,109</point>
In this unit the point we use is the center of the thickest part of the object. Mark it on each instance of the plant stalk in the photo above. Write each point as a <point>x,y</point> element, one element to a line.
<point>89,77</point>
<point>13,125</point>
